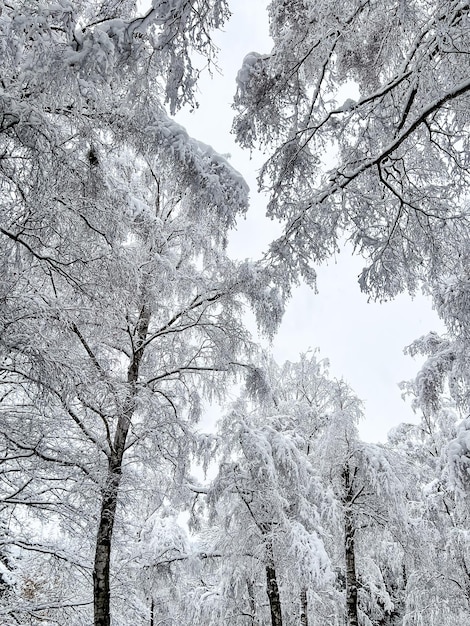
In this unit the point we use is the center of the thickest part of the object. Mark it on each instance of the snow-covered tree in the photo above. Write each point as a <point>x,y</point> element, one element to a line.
<point>370,534</point>
<point>119,306</point>
<point>267,509</point>
<point>363,108</point>
<point>308,522</point>
<point>437,560</point>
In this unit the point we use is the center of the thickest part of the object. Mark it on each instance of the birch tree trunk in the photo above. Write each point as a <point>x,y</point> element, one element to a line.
<point>349,548</point>
<point>101,572</point>
<point>101,590</point>
<point>272,588</point>
<point>351,580</point>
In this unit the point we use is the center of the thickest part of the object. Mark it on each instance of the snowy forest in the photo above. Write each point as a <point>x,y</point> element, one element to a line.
<point>123,318</point>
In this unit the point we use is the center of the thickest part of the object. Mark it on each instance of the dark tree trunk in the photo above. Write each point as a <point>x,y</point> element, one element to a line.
<point>103,545</point>
<point>303,608</point>
<point>348,476</point>
<point>101,572</point>
<point>272,589</point>
<point>351,579</point>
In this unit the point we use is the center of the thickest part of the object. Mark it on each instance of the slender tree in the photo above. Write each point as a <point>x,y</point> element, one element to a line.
<point>266,510</point>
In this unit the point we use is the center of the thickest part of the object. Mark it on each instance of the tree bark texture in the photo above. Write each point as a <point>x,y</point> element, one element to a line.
<point>272,589</point>
<point>102,567</point>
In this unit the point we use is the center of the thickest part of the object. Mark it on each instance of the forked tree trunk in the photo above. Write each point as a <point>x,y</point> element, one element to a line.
<point>272,588</point>
<point>101,572</point>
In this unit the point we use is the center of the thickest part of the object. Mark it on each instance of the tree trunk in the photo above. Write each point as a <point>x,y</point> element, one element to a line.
<point>101,572</point>
<point>303,608</point>
<point>351,580</point>
<point>272,589</point>
<point>103,545</point>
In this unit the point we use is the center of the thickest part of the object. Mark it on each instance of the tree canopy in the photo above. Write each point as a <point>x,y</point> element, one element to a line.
<point>121,315</point>
<point>398,182</point>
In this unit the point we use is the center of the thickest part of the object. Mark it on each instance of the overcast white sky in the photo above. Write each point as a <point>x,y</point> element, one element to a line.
<point>363,341</point>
